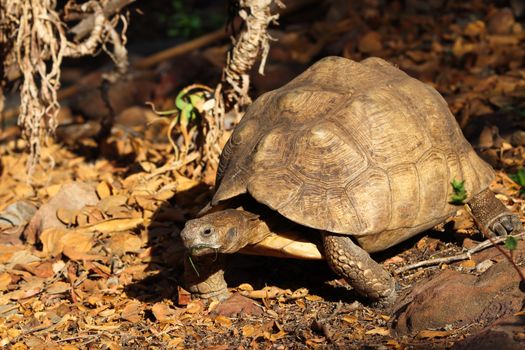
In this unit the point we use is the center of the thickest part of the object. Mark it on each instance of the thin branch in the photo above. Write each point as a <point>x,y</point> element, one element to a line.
<point>463,256</point>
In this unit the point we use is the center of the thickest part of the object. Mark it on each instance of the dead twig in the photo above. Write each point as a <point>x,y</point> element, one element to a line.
<point>464,256</point>
<point>181,49</point>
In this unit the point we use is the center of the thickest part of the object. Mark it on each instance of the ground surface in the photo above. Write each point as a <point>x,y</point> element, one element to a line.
<point>89,250</point>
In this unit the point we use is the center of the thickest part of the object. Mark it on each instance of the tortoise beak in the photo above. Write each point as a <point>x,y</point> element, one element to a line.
<point>203,249</point>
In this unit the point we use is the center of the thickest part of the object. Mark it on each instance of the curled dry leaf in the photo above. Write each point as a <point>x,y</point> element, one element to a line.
<point>131,312</point>
<point>76,244</point>
<point>250,331</point>
<point>103,190</point>
<point>67,217</point>
<point>5,280</point>
<point>378,331</point>
<point>40,269</point>
<point>267,293</point>
<point>108,203</point>
<point>73,244</point>
<point>223,321</point>
<point>112,225</point>
<point>194,307</point>
<point>124,242</point>
<point>52,241</point>
<point>58,288</point>
<point>163,312</point>
<point>430,334</point>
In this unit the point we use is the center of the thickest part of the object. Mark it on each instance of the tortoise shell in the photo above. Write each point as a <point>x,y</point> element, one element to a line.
<point>352,148</point>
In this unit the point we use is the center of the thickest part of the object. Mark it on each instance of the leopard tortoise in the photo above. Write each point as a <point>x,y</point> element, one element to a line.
<point>360,152</point>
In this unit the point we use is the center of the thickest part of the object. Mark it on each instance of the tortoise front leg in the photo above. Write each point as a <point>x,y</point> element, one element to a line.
<point>492,216</point>
<point>353,263</point>
<point>204,276</point>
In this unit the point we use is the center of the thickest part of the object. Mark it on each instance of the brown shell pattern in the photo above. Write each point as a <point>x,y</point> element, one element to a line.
<point>352,148</point>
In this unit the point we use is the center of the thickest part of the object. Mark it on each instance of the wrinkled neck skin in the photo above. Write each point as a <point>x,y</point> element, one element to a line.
<point>225,231</point>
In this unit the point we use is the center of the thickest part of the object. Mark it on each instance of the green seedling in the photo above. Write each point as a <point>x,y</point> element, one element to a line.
<point>519,178</point>
<point>511,243</point>
<point>189,104</point>
<point>459,192</point>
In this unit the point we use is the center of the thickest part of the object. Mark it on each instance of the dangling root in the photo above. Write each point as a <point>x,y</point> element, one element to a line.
<point>35,43</point>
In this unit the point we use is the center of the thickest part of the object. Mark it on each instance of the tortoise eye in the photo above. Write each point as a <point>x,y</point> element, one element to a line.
<point>207,231</point>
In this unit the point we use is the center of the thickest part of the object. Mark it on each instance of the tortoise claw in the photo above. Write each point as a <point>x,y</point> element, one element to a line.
<point>505,225</point>
<point>499,229</point>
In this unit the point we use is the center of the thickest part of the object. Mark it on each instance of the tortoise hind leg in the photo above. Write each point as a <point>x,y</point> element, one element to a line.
<point>353,263</point>
<point>492,216</point>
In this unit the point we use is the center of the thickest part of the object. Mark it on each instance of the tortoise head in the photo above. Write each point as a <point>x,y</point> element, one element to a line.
<point>225,231</point>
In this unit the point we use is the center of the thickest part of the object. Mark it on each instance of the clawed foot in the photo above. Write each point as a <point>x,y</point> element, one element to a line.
<point>219,295</point>
<point>385,303</point>
<point>505,224</point>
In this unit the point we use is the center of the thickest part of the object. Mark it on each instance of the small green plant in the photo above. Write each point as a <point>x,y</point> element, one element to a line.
<point>184,21</point>
<point>511,243</point>
<point>190,103</point>
<point>519,178</point>
<point>459,192</point>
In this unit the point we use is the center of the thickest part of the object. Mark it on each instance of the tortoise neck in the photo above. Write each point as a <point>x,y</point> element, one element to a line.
<point>246,228</point>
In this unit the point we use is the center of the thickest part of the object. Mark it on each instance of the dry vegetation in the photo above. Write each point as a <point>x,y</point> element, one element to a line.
<point>89,251</point>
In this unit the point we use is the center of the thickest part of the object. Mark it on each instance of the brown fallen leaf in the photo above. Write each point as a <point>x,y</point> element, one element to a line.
<point>430,334</point>
<point>394,260</point>
<point>5,280</point>
<point>175,342</point>
<point>76,244</point>
<point>250,331</point>
<point>112,225</point>
<point>378,331</point>
<point>67,217</point>
<point>51,239</point>
<point>194,307</point>
<point>40,269</point>
<point>124,242</point>
<point>163,312</point>
<point>103,190</point>
<point>132,311</point>
<point>271,292</point>
<point>223,321</point>
<point>183,296</point>
<point>58,288</point>
<point>349,319</point>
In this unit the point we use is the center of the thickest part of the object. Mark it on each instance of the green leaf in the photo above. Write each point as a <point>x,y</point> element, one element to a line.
<point>519,178</point>
<point>511,243</point>
<point>459,193</point>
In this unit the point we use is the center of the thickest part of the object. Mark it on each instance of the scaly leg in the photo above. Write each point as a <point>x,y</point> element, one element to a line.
<point>353,263</point>
<point>491,215</point>
<point>204,276</point>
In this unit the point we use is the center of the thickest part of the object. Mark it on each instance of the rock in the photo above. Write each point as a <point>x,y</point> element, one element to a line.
<point>18,213</point>
<point>73,196</point>
<point>504,334</point>
<point>484,265</point>
<point>458,299</point>
<point>238,305</point>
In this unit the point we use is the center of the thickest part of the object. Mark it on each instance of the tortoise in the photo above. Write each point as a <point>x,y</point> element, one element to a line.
<point>360,152</point>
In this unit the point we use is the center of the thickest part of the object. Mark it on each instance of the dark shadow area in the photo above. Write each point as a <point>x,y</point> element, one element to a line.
<point>167,254</point>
